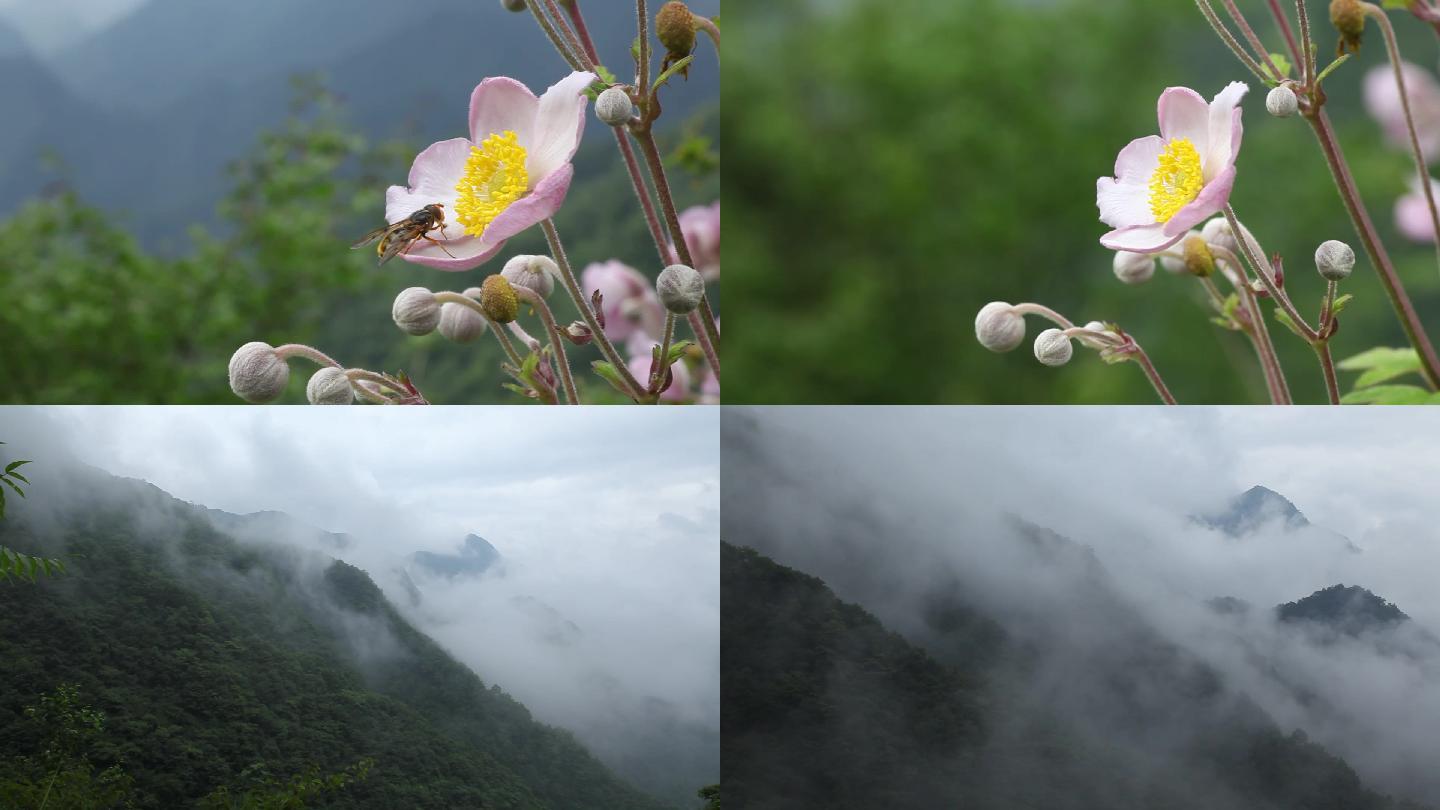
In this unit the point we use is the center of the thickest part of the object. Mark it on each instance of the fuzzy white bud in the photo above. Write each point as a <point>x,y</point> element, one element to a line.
<point>1217,232</point>
<point>257,374</point>
<point>534,273</point>
<point>681,288</point>
<point>1134,268</point>
<point>1281,102</point>
<point>999,327</point>
<point>613,107</point>
<point>1334,259</point>
<point>416,311</point>
<point>1053,348</point>
<point>329,386</point>
<point>1092,342</point>
<point>461,324</point>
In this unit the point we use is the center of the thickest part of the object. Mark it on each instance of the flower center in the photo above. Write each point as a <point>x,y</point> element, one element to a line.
<point>1176,181</point>
<point>494,178</point>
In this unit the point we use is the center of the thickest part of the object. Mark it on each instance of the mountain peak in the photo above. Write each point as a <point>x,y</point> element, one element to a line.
<point>1253,508</point>
<point>1350,609</point>
<point>476,557</point>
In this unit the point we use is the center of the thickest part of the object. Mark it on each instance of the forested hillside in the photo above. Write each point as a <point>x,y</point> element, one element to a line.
<point>825,708</point>
<point>222,664</point>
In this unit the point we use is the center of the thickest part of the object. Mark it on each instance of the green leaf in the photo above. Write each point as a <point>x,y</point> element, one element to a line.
<point>1389,395</point>
<point>12,485</point>
<point>1395,3</point>
<point>1326,72</point>
<point>1339,305</point>
<point>19,477</point>
<point>14,465</point>
<point>1284,317</point>
<point>677,349</point>
<point>1378,356</point>
<point>671,71</point>
<point>1282,64</point>
<point>608,373</point>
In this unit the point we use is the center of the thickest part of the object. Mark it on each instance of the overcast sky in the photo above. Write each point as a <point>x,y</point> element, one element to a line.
<point>605,517</point>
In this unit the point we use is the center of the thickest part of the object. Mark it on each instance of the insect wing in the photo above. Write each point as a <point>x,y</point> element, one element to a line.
<point>373,235</point>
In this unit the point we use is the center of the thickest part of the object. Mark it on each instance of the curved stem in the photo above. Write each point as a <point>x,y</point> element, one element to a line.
<point>582,32</point>
<point>642,193</point>
<point>1044,312</point>
<point>658,373</point>
<point>642,16</point>
<point>1305,44</point>
<point>703,338</point>
<point>1229,39</point>
<point>572,286</point>
<point>672,218</point>
<point>1327,366</point>
<point>1251,37</point>
<point>533,298</point>
<point>311,353</point>
<point>708,26</point>
<point>1360,217</point>
<point>447,297</point>
<point>1289,35</point>
<point>1154,376</point>
<point>555,39</point>
<point>356,374</point>
<point>586,60</point>
<point>1262,269</point>
<point>1421,169</point>
<point>1259,332</point>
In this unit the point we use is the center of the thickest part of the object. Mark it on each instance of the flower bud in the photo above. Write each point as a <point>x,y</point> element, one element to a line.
<point>1053,348</point>
<point>1217,232</point>
<point>415,311</point>
<point>513,5</point>
<point>1334,259</point>
<point>1198,258</point>
<point>535,273</point>
<point>1133,268</point>
<point>613,107</point>
<point>257,373</point>
<point>681,288</point>
<point>999,327</point>
<point>1281,102</point>
<point>675,28</point>
<point>1348,17</point>
<point>1176,264</point>
<point>460,323</point>
<point>498,299</point>
<point>329,386</point>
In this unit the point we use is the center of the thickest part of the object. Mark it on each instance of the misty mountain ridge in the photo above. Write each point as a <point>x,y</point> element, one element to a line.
<point>1260,508</point>
<point>476,556</point>
<point>1348,609</point>
<point>230,655</point>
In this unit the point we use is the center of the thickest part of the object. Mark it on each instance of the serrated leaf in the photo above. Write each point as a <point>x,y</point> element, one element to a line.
<point>1378,356</point>
<point>1381,374</point>
<point>1388,395</point>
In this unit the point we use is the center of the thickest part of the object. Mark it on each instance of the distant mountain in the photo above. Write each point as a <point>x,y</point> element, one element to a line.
<point>145,114</point>
<point>1351,610</point>
<point>1255,507</point>
<point>476,556</point>
<point>822,706</point>
<point>217,661</point>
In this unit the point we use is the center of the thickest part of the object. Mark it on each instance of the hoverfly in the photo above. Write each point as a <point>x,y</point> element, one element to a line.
<point>399,237</point>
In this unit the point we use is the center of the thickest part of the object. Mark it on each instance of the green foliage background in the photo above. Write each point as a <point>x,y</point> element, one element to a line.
<point>91,315</point>
<point>896,164</point>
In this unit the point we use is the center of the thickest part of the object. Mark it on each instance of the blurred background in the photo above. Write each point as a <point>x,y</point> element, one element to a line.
<point>179,177</point>
<point>896,164</point>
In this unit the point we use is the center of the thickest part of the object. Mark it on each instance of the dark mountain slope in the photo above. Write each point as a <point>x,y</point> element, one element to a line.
<point>1350,610</point>
<point>823,708</point>
<point>212,658</point>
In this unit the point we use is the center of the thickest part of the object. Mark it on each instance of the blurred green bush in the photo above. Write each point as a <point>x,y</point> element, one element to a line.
<point>896,164</point>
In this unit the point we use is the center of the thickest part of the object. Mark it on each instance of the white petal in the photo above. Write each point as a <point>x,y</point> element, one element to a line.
<point>559,120</point>
<point>1225,130</point>
<point>1184,114</point>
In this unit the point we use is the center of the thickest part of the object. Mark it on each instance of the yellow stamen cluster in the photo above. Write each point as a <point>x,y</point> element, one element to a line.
<point>494,178</point>
<point>1176,181</point>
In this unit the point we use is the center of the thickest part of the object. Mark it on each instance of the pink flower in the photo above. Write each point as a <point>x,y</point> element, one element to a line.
<point>1382,100</point>
<point>511,173</point>
<point>1167,184</point>
<point>630,303</point>
<point>701,226</point>
<point>1412,213</point>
